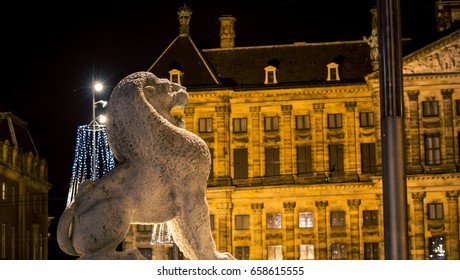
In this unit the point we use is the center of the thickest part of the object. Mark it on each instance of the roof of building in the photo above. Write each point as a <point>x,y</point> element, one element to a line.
<point>304,63</point>
<point>295,63</point>
<point>183,55</point>
<point>243,66</point>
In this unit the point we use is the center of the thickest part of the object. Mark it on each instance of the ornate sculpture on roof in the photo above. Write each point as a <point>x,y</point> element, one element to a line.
<point>227,31</point>
<point>373,41</point>
<point>184,13</point>
<point>161,177</point>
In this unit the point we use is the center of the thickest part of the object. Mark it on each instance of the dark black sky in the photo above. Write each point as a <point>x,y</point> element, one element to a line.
<point>52,51</point>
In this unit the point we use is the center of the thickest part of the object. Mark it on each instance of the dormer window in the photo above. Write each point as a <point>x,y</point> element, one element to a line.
<point>333,72</point>
<point>270,75</point>
<point>175,76</point>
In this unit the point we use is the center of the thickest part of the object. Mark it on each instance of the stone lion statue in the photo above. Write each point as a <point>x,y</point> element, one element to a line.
<point>161,176</point>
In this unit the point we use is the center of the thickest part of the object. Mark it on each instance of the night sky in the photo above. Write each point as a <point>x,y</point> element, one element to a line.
<point>53,51</point>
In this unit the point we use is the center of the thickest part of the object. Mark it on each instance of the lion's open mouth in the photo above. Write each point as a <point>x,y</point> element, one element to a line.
<point>178,114</point>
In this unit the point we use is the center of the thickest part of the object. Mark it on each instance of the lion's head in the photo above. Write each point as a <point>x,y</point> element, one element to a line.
<point>167,96</point>
<point>139,114</point>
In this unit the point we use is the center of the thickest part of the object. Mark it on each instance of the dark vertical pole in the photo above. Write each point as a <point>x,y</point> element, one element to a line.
<point>393,144</point>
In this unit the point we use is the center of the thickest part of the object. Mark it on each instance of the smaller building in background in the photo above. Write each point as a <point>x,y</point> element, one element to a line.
<point>447,14</point>
<point>24,191</point>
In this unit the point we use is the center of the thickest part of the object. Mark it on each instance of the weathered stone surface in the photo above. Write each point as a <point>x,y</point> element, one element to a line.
<point>161,177</point>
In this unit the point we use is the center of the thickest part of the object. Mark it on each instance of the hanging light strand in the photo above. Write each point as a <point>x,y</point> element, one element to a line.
<point>83,167</point>
<point>161,234</point>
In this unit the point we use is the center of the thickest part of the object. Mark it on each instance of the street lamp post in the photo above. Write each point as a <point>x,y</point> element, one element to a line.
<point>93,156</point>
<point>97,87</point>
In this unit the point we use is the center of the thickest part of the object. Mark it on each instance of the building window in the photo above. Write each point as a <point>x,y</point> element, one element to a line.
<point>371,251</point>
<point>35,239</point>
<point>307,252</point>
<point>302,122</point>
<point>271,124</point>
<point>146,252</point>
<point>437,248</point>
<point>337,218</point>
<point>240,125</point>
<point>34,202</point>
<point>274,220</point>
<point>3,191</point>
<point>366,119</point>
<point>304,161</point>
<point>242,222</point>
<point>175,76</point>
<point>435,211</point>
<point>371,218</point>
<point>240,163</point>
<point>430,108</point>
<point>270,75</point>
<point>305,219</point>
<point>174,253</point>
<point>13,243</point>
<point>333,72</point>
<point>457,105</point>
<point>205,125</point>
<point>275,252</point>
<point>211,172</point>
<point>368,161</point>
<point>242,252</point>
<point>272,161</point>
<point>336,158</point>
<point>27,245</point>
<point>432,150</point>
<point>3,241</point>
<point>40,247</point>
<point>144,228</point>
<point>339,251</point>
<point>212,222</point>
<point>334,120</point>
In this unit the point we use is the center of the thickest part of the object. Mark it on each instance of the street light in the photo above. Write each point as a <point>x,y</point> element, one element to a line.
<point>97,87</point>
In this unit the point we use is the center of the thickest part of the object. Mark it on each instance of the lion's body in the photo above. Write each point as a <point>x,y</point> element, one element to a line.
<point>161,177</point>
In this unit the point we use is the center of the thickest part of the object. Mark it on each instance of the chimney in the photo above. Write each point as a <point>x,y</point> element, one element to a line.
<point>227,31</point>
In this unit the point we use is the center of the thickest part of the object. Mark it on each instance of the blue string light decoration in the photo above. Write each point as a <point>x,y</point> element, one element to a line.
<point>93,157</point>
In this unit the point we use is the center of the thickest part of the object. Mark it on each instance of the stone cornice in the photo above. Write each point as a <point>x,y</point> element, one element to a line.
<point>319,187</point>
<point>427,177</point>
<point>430,76</point>
<point>353,91</point>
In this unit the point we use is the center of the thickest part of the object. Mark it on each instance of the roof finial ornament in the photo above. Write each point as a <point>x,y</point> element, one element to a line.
<point>373,41</point>
<point>184,14</point>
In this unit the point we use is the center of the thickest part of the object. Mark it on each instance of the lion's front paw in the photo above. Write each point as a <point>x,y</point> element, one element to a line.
<point>224,256</point>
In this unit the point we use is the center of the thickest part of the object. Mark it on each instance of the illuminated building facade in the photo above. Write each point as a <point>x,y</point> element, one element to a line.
<point>24,193</point>
<point>294,132</point>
